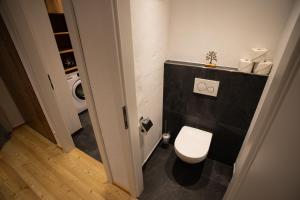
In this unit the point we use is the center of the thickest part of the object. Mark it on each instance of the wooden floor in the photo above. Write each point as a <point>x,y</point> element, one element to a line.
<point>33,168</point>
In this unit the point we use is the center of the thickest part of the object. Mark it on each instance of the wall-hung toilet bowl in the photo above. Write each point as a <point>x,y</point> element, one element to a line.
<point>192,145</point>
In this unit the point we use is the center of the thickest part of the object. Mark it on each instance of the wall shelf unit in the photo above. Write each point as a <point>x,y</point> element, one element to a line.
<point>61,34</point>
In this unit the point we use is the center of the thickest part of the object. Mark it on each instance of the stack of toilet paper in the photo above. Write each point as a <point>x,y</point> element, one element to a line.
<point>258,54</point>
<point>246,65</point>
<point>256,59</point>
<point>263,68</point>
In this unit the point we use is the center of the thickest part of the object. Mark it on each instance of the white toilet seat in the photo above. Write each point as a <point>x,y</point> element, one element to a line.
<point>192,145</point>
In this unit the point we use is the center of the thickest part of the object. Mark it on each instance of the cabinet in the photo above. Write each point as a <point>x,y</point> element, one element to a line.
<point>63,41</point>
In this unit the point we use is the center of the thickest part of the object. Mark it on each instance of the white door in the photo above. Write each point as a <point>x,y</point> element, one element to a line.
<point>96,27</point>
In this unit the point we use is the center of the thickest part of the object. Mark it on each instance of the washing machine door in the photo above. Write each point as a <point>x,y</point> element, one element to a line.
<point>78,91</point>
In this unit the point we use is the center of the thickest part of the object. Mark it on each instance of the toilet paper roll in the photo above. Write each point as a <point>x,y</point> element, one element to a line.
<point>246,65</point>
<point>258,54</point>
<point>263,68</point>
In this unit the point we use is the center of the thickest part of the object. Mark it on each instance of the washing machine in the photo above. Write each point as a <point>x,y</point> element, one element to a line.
<point>77,91</point>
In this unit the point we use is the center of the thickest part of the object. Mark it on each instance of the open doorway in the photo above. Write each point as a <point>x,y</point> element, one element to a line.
<point>32,166</point>
<point>83,138</point>
<point>99,67</point>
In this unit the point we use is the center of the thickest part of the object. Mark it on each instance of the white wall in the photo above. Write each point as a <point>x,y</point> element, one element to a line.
<point>9,108</point>
<point>150,23</point>
<point>231,28</point>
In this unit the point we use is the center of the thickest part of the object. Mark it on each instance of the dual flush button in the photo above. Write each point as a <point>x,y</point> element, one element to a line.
<point>206,87</point>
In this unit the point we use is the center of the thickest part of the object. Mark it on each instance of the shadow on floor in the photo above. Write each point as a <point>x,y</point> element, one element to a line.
<point>84,139</point>
<point>185,174</point>
<point>167,177</point>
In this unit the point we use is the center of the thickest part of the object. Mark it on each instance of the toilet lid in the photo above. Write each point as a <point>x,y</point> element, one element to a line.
<point>192,142</point>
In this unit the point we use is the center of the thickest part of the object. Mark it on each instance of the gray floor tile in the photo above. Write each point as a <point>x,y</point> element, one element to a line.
<point>167,177</point>
<point>84,139</point>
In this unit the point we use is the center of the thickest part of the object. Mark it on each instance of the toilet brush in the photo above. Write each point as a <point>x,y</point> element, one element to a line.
<point>166,136</point>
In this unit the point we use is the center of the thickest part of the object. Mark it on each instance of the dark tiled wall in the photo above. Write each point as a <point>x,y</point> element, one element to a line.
<point>227,116</point>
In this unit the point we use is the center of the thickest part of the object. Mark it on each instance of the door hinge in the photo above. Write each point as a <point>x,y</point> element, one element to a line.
<point>50,81</point>
<point>125,117</point>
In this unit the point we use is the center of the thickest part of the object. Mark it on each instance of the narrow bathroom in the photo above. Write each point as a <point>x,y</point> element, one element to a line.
<point>200,74</point>
<point>168,99</point>
<point>82,130</point>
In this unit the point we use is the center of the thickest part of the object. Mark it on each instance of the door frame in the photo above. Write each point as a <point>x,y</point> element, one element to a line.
<point>123,24</point>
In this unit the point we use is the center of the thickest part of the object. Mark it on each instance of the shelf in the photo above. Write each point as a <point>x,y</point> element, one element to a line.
<point>61,33</point>
<point>56,13</point>
<point>71,69</point>
<point>66,51</point>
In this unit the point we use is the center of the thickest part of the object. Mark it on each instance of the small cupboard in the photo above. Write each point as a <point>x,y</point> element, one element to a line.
<point>61,34</point>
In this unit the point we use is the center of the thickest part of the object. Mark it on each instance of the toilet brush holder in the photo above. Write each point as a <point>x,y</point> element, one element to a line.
<point>166,138</point>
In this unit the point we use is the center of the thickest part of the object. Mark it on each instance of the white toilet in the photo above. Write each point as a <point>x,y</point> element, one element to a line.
<point>192,145</point>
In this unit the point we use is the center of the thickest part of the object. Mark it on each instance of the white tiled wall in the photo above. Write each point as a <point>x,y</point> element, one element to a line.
<point>150,19</point>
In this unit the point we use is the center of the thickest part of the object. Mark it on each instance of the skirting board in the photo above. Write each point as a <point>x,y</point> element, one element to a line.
<point>152,149</point>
